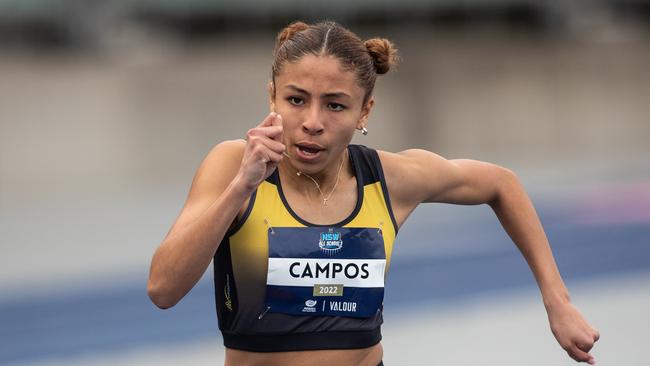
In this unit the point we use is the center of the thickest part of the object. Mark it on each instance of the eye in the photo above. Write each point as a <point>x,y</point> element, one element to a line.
<point>336,107</point>
<point>295,101</point>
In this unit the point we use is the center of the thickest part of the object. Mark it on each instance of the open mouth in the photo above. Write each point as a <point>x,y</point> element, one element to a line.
<point>308,150</point>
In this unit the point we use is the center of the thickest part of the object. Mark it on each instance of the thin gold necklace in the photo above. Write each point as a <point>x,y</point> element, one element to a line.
<point>338,173</point>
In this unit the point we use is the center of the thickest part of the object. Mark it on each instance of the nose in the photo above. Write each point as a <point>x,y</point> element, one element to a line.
<point>313,124</point>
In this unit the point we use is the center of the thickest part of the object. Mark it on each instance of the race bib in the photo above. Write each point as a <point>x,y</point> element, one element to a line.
<point>325,271</point>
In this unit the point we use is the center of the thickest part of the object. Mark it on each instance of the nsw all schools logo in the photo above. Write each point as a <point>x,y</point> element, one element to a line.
<point>330,242</point>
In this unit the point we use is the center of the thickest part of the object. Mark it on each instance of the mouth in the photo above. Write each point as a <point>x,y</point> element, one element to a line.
<point>308,151</point>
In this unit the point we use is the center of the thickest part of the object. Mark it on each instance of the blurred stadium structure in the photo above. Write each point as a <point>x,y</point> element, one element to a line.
<point>107,108</point>
<point>88,23</point>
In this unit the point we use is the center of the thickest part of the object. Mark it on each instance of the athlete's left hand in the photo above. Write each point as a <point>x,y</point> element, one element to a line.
<point>572,331</point>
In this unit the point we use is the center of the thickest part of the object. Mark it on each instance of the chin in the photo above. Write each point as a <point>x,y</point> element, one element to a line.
<point>309,168</point>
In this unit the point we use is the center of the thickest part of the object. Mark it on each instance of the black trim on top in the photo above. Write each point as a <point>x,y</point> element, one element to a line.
<point>273,178</point>
<point>302,341</point>
<point>241,222</point>
<point>384,187</point>
<point>368,167</point>
<point>357,207</point>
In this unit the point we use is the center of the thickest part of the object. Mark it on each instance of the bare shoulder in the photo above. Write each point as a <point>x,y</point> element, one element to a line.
<point>221,162</point>
<point>409,159</point>
<point>412,174</point>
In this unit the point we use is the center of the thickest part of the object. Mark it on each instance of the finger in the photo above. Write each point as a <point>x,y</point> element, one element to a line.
<point>259,152</point>
<point>271,132</point>
<point>274,158</point>
<point>270,160</point>
<point>585,346</point>
<point>277,121</point>
<point>596,334</point>
<point>270,144</point>
<point>268,121</point>
<point>580,356</point>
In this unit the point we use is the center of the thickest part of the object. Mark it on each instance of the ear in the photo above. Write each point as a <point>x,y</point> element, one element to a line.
<point>365,112</point>
<point>271,96</point>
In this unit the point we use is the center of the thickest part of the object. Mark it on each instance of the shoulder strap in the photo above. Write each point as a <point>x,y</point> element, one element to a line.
<point>369,164</point>
<point>372,172</point>
<point>273,178</point>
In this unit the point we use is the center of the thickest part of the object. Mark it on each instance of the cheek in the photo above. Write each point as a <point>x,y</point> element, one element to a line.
<point>342,126</point>
<point>344,131</point>
<point>291,126</point>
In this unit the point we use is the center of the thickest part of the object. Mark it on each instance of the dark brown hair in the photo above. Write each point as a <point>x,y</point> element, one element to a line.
<point>366,59</point>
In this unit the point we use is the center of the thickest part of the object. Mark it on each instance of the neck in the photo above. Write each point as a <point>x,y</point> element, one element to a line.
<point>337,169</point>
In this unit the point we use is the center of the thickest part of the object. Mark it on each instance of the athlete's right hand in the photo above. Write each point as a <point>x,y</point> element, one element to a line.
<point>263,153</point>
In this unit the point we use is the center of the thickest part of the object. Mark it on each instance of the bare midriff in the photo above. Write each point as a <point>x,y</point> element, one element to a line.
<point>370,356</point>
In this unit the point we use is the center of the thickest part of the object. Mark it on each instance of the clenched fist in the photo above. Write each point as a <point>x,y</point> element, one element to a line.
<point>573,332</point>
<point>264,151</point>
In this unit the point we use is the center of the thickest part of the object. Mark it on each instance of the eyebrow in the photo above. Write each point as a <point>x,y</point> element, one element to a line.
<point>326,95</point>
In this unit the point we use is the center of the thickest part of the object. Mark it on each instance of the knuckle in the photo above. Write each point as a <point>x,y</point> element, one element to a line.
<point>596,334</point>
<point>585,340</point>
<point>278,148</point>
<point>584,346</point>
<point>257,149</point>
<point>255,140</point>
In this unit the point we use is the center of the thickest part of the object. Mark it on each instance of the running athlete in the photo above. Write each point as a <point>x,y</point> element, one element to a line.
<point>300,223</point>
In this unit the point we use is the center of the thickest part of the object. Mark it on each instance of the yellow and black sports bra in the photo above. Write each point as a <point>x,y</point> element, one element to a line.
<point>284,284</point>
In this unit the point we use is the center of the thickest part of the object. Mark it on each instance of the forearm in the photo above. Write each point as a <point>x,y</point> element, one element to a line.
<point>516,213</point>
<point>182,258</point>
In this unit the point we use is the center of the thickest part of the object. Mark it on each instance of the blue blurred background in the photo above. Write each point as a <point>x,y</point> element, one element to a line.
<point>108,107</point>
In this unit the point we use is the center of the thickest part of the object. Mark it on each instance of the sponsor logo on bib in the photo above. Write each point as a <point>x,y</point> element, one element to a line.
<point>310,306</point>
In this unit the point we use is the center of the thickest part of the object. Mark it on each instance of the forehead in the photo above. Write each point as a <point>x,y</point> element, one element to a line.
<point>319,75</point>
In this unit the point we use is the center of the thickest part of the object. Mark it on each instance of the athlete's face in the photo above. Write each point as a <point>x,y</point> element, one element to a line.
<point>321,107</point>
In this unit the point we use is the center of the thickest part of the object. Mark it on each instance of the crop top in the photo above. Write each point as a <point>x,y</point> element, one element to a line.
<point>284,284</point>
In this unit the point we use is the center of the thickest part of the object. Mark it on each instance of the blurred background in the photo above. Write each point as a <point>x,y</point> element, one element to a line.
<point>108,107</point>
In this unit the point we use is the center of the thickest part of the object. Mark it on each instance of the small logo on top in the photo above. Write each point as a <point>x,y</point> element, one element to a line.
<point>330,242</point>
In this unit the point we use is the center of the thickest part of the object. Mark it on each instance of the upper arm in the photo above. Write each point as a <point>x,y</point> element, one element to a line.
<point>415,176</point>
<point>210,180</point>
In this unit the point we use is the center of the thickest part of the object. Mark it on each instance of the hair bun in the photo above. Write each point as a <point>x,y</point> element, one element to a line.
<point>383,53</point>
<point>289,31</point>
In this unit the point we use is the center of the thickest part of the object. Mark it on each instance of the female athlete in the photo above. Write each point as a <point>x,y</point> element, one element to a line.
<point>300,223</point>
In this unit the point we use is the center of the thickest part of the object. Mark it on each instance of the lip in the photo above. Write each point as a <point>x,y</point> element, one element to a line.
<point>308,157</point>
<point>310,145</point>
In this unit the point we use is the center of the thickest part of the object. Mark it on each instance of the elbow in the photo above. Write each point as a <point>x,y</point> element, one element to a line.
<point>161,298</point>
<point>508,178</point>
<point>507,184</point>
